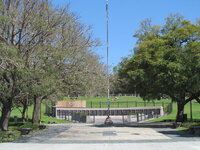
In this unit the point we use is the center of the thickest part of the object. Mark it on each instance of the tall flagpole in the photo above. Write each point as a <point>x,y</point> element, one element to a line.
<point>108,119</point>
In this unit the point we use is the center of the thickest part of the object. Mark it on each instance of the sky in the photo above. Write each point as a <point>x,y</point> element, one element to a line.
<point>124,20</point>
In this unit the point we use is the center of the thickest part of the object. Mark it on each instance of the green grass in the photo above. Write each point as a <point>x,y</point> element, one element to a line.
<point>44,118</point>
<point>182,128</point>
<point>15,134</point>
<point>121,99</point>
<point>172,116</point>
<point>122,102</point>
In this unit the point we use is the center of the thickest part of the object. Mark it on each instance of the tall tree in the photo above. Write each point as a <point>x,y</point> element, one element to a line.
<point>11,77</point>
<point>54,48</point>
<point>167,62</point>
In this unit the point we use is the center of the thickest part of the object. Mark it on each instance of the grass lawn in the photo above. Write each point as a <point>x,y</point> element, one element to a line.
<point>184,126</point>
<point>14,134</point>
<point>120,99</point>
<point>44,118</point>
<point>172,116</point>
<point>121,102</point>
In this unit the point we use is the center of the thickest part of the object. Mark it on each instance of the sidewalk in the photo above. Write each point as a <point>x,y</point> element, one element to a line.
<point>127,146</point>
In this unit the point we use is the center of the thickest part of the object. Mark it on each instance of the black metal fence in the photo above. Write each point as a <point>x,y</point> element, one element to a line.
<point>126,104</point>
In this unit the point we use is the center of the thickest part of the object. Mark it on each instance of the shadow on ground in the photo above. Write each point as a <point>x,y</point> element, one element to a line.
<point>177,133</point>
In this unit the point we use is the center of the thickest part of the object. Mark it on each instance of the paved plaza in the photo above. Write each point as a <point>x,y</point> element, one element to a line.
<point>90,134</point>
<point>96,137</point>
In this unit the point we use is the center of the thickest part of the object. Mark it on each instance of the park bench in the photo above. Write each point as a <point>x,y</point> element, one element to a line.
<point>194,130</point>
<point>41,127</point>
<point>25,131</point>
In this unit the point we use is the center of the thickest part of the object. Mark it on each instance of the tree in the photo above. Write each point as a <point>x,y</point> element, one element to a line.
<point>167,62</point>
<point>53,51</point>
<point>11,77</point>
<point>29,26</point>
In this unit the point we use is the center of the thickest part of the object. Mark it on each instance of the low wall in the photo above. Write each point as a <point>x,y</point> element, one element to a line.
<point>60,112</point>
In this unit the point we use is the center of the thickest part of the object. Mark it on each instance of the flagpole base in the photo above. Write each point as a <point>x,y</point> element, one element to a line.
<point>108,121</point>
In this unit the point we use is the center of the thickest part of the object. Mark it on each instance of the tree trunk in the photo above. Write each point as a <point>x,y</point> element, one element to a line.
<point>6,110</point>
<point>36,110</point>
<point>180,111</point>
<point>23,112</point>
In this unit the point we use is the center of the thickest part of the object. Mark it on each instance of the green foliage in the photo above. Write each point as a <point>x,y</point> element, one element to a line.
<point>45,53</point>
<point>167,61</point>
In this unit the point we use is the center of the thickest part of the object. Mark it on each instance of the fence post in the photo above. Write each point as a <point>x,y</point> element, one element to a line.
<point>137,117</point>
<point>191,110</point>
<point>65,115</point>
<point>94,119</point>
<point>171,107</point>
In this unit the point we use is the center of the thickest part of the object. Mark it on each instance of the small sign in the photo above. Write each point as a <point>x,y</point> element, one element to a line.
<point>71,104</point>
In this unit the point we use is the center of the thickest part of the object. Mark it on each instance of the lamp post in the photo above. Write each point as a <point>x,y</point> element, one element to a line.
<point>108,120</point>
